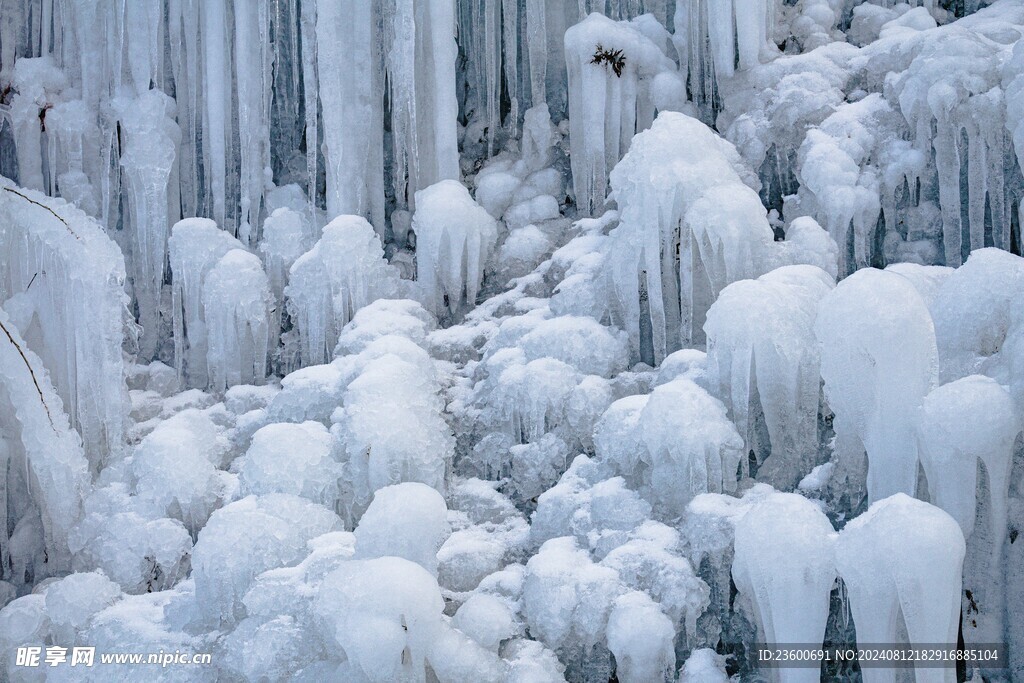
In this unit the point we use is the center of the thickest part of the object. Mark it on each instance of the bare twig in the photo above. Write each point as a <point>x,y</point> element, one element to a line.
<point>55,214</point>
<point>32,373</point>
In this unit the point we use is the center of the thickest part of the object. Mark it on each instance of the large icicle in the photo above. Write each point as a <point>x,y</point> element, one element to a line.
<point>252,85</point>
<point>688,227</point>
<point>879,360</point>
<point>151,139</point>
<point>196,245</point>
<point>236,304</point>
<point>763,354</point>
<point>785,565</point>
<point>901,560</point>
<point>454,237</point>
<point>350,94</point>
<point>344,271</point>
<point>217,100</point>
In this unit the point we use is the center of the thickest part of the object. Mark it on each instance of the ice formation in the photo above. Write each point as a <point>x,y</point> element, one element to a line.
<point>900,562</point>
<point>454,237</point>
<point>763,353</point>
<point>236,306</point>
<point>688,227</point>
<point>877,372</point>
<point>509,340</point>
<point>784,564</point>
<point>343,272</point>
<point>610,69</point>
<point>61,281</point>
<point>196,246</point>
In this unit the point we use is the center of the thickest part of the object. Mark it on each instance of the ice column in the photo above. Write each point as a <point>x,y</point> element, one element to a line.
<point>351,81</point>
<point>901,562</point>
<point>784,564</point>
<point>879,361</point>
<point>151,141</point>
<point>764,356</point>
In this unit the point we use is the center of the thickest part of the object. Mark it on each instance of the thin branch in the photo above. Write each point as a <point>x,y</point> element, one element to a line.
<point>32,373</point>
<point>55,214</point>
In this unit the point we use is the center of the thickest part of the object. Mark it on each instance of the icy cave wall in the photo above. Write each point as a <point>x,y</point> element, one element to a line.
<point>610,257</point>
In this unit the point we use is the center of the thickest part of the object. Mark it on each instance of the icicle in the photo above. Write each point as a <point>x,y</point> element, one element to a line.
<point>436,53</point>
<point>510,58</point>
<point>142,22</point>
<point>401,61</point>
<point>350,92</point>
<point>537,49</point>
<point>63,278</point>
<point>307,22</point>
<point>216,74</point>
<point>151,142</point>
<point>253,125</point>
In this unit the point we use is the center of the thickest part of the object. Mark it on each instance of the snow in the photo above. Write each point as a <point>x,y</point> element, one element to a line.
<point>384,614</point>
<point>407,520</point>
<point>640,637</point>
<point>291,458</point>
<point>672,445</point>
<point>245,538</point>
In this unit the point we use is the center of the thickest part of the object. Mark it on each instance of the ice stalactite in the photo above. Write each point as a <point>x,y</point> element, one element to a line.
<point>436,105</point>
<point>688,227</point>
<point>966,424</point>
<point>840,181</point>
<point>764,356</point>
<point>671,446</point>
<point>350,85</point>
<point>879,361</point>
<point>150,142</point>
<point>287,235</point>
<point>236,306</point>
<point>216,99</point>
<point>344,271</point>
<point>454,237</point>
<point>143,43</point>
<point>310,100</point>
<point>610,65</point>
<point>62,282</point>
<point>37,82</point>
<point>46,475</point>
<point>712,37</point>
<point>958,117</point>
<point>784,564</point>
<point>252,95</point>
<point>195,246</point>
<point>901,564</point>
<point>75,134</point>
